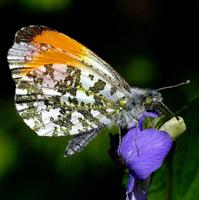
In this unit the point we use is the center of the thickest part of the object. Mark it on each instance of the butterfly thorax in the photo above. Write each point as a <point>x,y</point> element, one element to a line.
<point>141,100</point>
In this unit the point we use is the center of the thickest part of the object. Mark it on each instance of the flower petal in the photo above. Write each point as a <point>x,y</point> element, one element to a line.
<point>131,182</point>
<point>145,151</point>
<point>137,190</point>
<point>146,114</point>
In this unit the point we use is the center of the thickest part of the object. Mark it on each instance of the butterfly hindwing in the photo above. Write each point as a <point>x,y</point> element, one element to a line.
<point>61,86</point>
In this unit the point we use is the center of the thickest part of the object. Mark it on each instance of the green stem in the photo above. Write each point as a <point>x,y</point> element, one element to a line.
<point>169,176</point>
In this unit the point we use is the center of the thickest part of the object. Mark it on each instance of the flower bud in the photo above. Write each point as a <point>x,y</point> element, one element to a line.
<point>174,127</point>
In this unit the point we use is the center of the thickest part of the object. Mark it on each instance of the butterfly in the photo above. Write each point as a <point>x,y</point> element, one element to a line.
<point>63,88</point>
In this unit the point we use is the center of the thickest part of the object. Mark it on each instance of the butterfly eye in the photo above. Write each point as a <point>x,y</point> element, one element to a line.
<point>148,100</point>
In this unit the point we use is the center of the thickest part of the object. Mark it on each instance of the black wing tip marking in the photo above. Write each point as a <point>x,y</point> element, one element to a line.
<point>27,34</point>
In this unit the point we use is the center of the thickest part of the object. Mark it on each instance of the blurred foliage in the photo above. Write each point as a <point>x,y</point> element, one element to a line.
<point>137,67</point>
<point>7,154</point>
<point>45,5</point>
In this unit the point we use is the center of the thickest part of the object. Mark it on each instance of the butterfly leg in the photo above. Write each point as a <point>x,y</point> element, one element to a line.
<point>79,142</point>
<point>120,140</point>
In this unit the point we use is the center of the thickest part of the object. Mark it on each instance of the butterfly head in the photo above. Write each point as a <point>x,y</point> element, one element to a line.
<point>151,98</point>
<point>146,98</point>
<point>141,100</point>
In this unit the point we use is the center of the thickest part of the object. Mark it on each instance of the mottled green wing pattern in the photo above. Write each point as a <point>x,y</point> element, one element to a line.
<point>56,100</point>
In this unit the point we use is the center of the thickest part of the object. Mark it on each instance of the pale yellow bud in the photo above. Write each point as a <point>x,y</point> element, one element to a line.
<point>174,127</point>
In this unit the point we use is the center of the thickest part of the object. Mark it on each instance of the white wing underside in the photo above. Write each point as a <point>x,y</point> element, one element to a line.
<point>57,99</point>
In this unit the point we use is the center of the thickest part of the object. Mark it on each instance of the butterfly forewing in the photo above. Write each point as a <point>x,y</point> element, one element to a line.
<point>61,86</point>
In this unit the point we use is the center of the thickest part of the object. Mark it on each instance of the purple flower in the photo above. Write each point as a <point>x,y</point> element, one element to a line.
<point>143,151</point>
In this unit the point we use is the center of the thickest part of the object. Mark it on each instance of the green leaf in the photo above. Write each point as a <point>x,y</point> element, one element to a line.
<point>186,159</point>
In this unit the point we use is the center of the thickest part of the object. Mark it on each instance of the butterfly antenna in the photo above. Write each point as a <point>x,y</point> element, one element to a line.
<point>174,86</point>
<point>169,110</point>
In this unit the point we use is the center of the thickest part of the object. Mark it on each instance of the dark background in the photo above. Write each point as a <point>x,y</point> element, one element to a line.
<point>150,43</point>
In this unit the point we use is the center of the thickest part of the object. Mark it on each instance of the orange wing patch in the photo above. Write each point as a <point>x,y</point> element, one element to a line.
<point>61,41</point>
<point>50,47</point>
<point>51,56</point>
